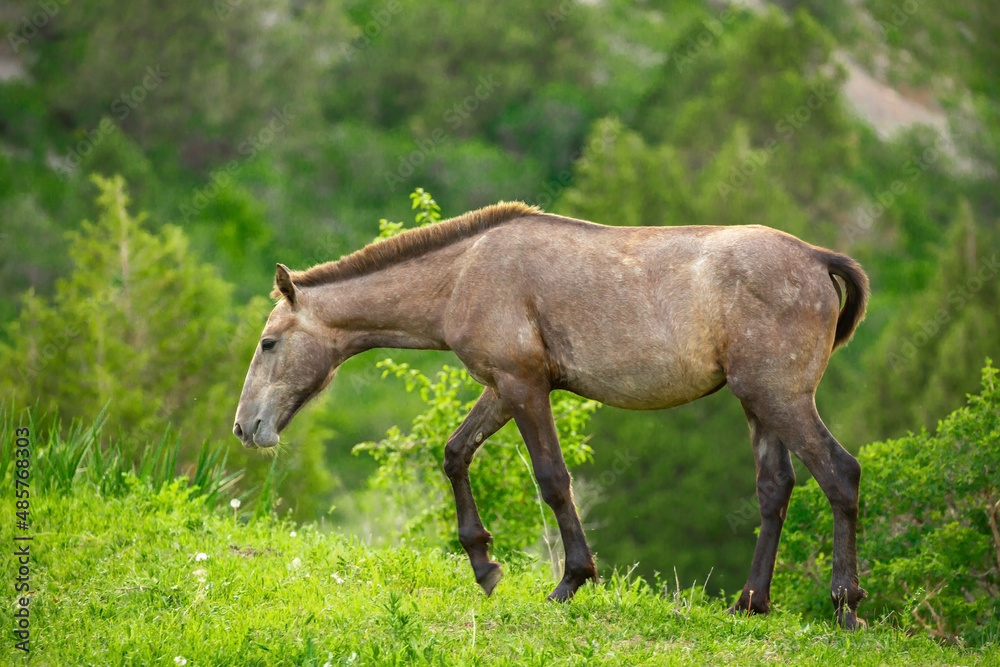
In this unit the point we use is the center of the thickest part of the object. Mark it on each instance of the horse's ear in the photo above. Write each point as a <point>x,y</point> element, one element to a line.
<point>283,281</point>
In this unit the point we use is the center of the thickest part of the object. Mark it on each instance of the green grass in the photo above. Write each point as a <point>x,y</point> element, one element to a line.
<point>118,580</point>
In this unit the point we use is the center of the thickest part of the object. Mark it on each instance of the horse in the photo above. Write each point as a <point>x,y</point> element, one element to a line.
<point>635,317</point>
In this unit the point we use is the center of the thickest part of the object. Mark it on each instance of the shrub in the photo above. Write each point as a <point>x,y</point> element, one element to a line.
<point>929,544</point>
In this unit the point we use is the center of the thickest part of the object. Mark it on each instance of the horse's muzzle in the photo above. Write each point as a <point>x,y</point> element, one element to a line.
<point>246,435</point>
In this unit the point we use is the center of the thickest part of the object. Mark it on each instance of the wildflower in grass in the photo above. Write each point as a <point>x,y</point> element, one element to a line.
<point>336,577</point>
<point>201,574</point>
<point>180,660</point>
<point>200,557</point>
<point>295,564</point>
<point>292,534</point>
<point>235,503</point>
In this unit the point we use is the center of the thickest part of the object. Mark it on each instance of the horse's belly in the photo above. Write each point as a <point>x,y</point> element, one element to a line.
<point>658,379</point>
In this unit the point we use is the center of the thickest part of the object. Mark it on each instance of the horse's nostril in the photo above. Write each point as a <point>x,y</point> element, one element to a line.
<point>237,431</point>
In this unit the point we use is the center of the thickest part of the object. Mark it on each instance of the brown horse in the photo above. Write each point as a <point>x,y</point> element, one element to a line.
<point>635,317</point>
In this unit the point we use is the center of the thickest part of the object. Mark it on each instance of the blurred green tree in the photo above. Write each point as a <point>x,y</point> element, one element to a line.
<point>918,367</point>
<point>204,75</point>
<point>138,322</point>
<point>141,324</point>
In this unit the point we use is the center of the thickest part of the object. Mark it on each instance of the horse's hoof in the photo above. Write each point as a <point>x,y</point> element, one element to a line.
<point>745,612</point>
<point>489,579</point>
<point>563,593</point>
<point>749,606</point>
<point>852,623</point>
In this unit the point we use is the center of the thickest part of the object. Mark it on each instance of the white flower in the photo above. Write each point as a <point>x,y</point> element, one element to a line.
<point>200,574</point>
<point>292,534</point>
<point>337,578</point>
<point>180,660</point>
<point>235,503</point>
<point>296,563</point>
<point>200,556</point>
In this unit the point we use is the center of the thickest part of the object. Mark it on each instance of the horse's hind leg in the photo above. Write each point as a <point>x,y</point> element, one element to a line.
<point>485,419</point>
<point>775,481</point>
<point>838,474</point>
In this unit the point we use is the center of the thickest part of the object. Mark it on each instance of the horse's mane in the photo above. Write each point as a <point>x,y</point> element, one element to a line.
<point>410,244</point>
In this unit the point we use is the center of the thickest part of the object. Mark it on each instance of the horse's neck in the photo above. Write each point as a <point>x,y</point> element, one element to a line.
<point>401,305</point>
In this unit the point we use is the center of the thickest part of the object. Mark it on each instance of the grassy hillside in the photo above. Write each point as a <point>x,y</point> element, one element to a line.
<point>250,132</point>
<point>157,160</point>
<point>153,577</point>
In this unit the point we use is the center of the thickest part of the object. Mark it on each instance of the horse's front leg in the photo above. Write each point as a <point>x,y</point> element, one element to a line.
<point>486,418</point>
<point>529,404</point>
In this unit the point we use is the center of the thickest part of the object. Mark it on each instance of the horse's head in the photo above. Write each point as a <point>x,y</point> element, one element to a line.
<point>294,361</point>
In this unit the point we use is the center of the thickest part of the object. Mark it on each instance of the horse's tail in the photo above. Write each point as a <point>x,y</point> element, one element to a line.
<point>856,301</point>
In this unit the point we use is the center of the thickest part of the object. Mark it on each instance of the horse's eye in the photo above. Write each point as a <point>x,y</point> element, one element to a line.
<point>268,344</point>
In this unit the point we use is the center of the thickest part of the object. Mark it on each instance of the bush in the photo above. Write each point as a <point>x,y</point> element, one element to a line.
<point>929,545</point>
